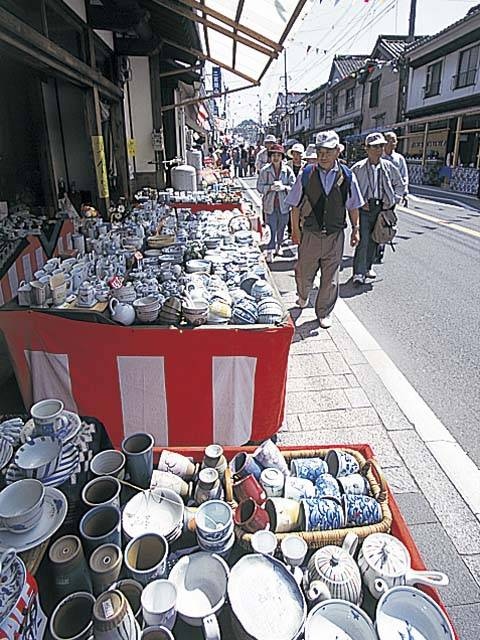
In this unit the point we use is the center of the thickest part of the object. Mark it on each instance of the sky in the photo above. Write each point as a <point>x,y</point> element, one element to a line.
<point>332,27</point>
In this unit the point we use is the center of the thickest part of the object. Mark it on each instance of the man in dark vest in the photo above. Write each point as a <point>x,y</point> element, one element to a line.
<point>321,196</point>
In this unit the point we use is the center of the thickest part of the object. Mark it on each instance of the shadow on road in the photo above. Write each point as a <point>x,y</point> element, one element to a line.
<point>350,290</point>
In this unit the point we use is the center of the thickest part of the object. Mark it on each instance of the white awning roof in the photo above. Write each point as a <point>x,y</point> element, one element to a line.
<point>242,36</point>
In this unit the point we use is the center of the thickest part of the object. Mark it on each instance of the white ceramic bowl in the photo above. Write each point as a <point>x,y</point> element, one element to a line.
<point>341,618</point>
<point>38,458</point>
<point>198,266</point>
<point>21,505</point>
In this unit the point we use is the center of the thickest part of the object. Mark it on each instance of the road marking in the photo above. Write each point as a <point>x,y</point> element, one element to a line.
<point>455,462</point>
<point>441,222</point>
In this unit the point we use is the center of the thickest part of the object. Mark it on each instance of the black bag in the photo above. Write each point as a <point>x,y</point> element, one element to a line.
<point>385,227</point>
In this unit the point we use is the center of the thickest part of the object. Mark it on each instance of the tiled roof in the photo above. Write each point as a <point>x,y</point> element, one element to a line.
<point>348,64</point>
<point>474,11</point>
<point>395,45</point>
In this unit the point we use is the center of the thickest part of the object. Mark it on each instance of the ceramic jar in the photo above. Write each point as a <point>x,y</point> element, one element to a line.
<point>336,569</point>
<point>113,618</point>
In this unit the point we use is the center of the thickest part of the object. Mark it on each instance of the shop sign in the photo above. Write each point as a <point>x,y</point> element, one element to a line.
<point>100,166</point>
<point>131,147</point>
<point>157,140</point>
<point>216,79</point>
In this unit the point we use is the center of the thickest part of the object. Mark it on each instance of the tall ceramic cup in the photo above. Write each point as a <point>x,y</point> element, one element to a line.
<point>72,617</point>
<point>113,618</point>
<point>105,565</point>
<point>101,525</point>
<point>69,567</point>
<point>104,490</point>
<point>146,557</point>
<point>138,449</point>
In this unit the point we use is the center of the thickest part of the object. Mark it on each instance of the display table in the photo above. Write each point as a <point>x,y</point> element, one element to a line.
<point>29,254</point>
<point>185,386</point>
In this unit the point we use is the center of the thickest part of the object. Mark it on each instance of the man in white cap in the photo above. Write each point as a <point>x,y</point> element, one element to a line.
<point>321,196</point>
<point>382,187</point>
<point>262,155</point>
<point>296,158</point>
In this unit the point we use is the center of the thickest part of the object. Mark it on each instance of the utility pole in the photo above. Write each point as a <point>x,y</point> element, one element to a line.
<point>411,20</point>
<point>286,93</point>
<point>260,111</point>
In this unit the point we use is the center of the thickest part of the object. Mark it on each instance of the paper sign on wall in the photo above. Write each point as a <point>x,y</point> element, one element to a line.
<point>100,166</point>
<point>131,147</point>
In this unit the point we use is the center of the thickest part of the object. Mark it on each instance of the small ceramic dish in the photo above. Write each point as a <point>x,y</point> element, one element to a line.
<point>154,511</point>
<point>39,457</point>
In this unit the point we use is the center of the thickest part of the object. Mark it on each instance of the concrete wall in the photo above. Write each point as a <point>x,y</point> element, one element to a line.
<point>141,108</point>
<point>387,99</point>
<point>418,80</point>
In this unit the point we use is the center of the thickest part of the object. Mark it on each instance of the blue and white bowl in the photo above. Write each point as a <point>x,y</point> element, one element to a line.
<point>21,505</point>
<point>6,452</point>
<point>39,458</point>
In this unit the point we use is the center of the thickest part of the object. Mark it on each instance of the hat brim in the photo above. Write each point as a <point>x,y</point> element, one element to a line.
<point>330,145</point>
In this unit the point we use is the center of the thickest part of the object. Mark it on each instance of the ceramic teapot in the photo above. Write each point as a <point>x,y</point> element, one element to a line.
<point>385,563</point>
<point>121,312</point>
<point>86,295</point>
<point>333,572</point>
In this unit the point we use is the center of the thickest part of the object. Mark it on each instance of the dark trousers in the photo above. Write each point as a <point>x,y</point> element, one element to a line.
<point>366,249</point>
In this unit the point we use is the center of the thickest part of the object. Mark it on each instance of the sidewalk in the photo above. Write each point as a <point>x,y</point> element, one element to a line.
<point>334,395</point>
<point>446,196</point>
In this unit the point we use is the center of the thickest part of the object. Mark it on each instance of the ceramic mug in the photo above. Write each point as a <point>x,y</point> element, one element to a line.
<point>321,514</point>
<point>38,293</point>
<point>72,617</point>
<point>166,480</point>
<point>362,510</point>
<point>355,484</point>
<point>273,481</point>
<point>340,463</point>
<point>269,455</point>
<point>249,487</point>
<point>138,449</point>
<point>21,505</point>
<point>159,604</point>
<point>308,468</point>
<point>101,525</point>
<point>250,516</point>
<point>132,590</point>
<point>298,488</point>
<point>109,463</point>
<point>243,464</point>
<point>103,490</point>
<point>157,633</point>
<point>48,417</point>
<point>177,464</point>
<point>327,485</point>
<point>214,521</point>
<point>146,557</point>
<point>283,514</point>
<point>294,549</point>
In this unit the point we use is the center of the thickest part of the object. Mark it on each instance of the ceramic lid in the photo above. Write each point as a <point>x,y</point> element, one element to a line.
<point>385,554</point>
<point>333,565</point>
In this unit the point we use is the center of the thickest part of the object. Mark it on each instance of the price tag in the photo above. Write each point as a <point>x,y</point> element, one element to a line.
<point>108,610</point>
<point>115,282</point>
<point>138,255</point>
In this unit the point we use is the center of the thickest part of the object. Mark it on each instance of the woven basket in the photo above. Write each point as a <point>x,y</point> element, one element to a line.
<point>317,539</point>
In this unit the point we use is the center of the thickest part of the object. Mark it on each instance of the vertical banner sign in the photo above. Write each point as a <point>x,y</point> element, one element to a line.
<point>216,79</point>
<point>100,166</point>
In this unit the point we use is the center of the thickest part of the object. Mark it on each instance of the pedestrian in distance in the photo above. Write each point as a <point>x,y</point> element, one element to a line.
<point>251,160</point>
<point>382,187</point>
<point>310,155</point>
<point>295,155</point>
<point>321,197</point>
<point>274,183</point>
<point>237,161</point>
<point>243,161</point>
<point>263,154</point>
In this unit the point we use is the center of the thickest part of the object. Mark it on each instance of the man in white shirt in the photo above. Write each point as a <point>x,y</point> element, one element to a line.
<point>390,153</point>
<point>262,156</point>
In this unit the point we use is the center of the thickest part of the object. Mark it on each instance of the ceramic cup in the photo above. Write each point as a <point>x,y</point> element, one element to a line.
<point>109,463</point>
<point>243,464</point>
<point>157,633</point>
<point>105,564</point>
<point>146,557</point>
<point>38,458</point>
<point>132,590</point>
<point>308,468</point>
<point>341,463</point>
<point>101,525</point>
<point>21,505</point>
<point>249,487</point>
<point>269,455</point>
<point>294,549</point>
<point>339,619</point>
<point>273,481</point>
<point>362,510</point>
<point>69,567</point>
<point>38,293</point>
<point>214,521</point>
<point>72,617</point>
<point>103,490</point>
<point>159,603</point>
<point>327,485</point>
<point>298,488</point>
<point>321,514</point>
<point>113,618</point>
<point>208,486</point>
<point>166,480</point>
<point>138,449</point>
<point>355,483</point>
<point>48,417</point>
<point>177,464</point>
<point>213,457</point>
<point>264,542</point>
<point>283,514</point>
<point>250,516</point>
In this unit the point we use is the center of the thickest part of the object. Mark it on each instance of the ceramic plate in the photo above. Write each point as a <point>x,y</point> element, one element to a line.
<point>65,434</point>
<point>54,513</point>
<point>11,585</point>
<point>407,612</point>
<point>273,606</point>
<point>67,466</point>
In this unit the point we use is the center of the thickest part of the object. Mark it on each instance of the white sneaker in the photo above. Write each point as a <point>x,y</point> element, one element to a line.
<point>370,274</point>
<point>358,279</point>
<point>301,302</point>
<point>269,256</point>
<point>326,322</point>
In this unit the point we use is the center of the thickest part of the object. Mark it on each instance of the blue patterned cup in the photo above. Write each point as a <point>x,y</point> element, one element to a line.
<point>298,488</point>
<point>21,505</point>
<point>321,514</point>
<point>355,484</point>
<point>341,463</point>
<point>362,510</point>
<point>243,464</point>
<point>327,486</point>
<point>308,468</point>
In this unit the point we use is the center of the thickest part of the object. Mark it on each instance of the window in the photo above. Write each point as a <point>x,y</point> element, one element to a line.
<point>297,119</point>
<point>321,111</point>
<point>467,67</point>
<point>306,114</point>
<point>374,93</point>
<point>335,104</point>
<point>350,99</point>
<point>434,78</point>
<point>65,31</point>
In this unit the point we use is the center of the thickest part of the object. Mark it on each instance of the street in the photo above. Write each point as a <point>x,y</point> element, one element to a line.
<point>423,310</point>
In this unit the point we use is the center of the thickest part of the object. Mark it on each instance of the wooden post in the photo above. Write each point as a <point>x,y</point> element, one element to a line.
<point>94,129</point>
<point>117,119</point>
<point>159,155</point>
<point>424,150</point>
<point>456,148</point>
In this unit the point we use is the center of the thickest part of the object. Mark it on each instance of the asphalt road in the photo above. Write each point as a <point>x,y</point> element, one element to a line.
<point>424,310</point>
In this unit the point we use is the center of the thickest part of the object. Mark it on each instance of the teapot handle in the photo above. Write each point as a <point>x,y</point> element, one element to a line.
<point>113,304</point>
<point>350,543</point>
<point>430,578</point>
<point>211,630</point>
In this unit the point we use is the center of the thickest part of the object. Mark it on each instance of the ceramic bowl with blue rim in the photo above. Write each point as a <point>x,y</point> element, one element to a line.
<point>39,458</point>
<point>350,622</point>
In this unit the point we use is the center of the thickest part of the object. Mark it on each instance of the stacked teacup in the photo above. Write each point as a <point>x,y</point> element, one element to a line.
<point>214,527</point>
<point>147,308</point>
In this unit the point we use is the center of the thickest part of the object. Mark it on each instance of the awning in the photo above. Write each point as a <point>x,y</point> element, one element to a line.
<point>241,36</point>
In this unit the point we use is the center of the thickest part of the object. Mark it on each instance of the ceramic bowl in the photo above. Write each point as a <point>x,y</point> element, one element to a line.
<point>154,511</point>
<point>410,613</point>
<point>214,519</point>
<point>21,505</point>
<point>198,266</point>
<point>38,458</point>
<point>109,463</point>
<point>6,452</point>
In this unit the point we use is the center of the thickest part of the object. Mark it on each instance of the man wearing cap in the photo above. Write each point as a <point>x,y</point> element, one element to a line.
<point>382,187</point>
<point>274,182</point>
<point>321,196</point>
<point>295,154</point>
<point>310,155</point>
<point>263,154</point>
